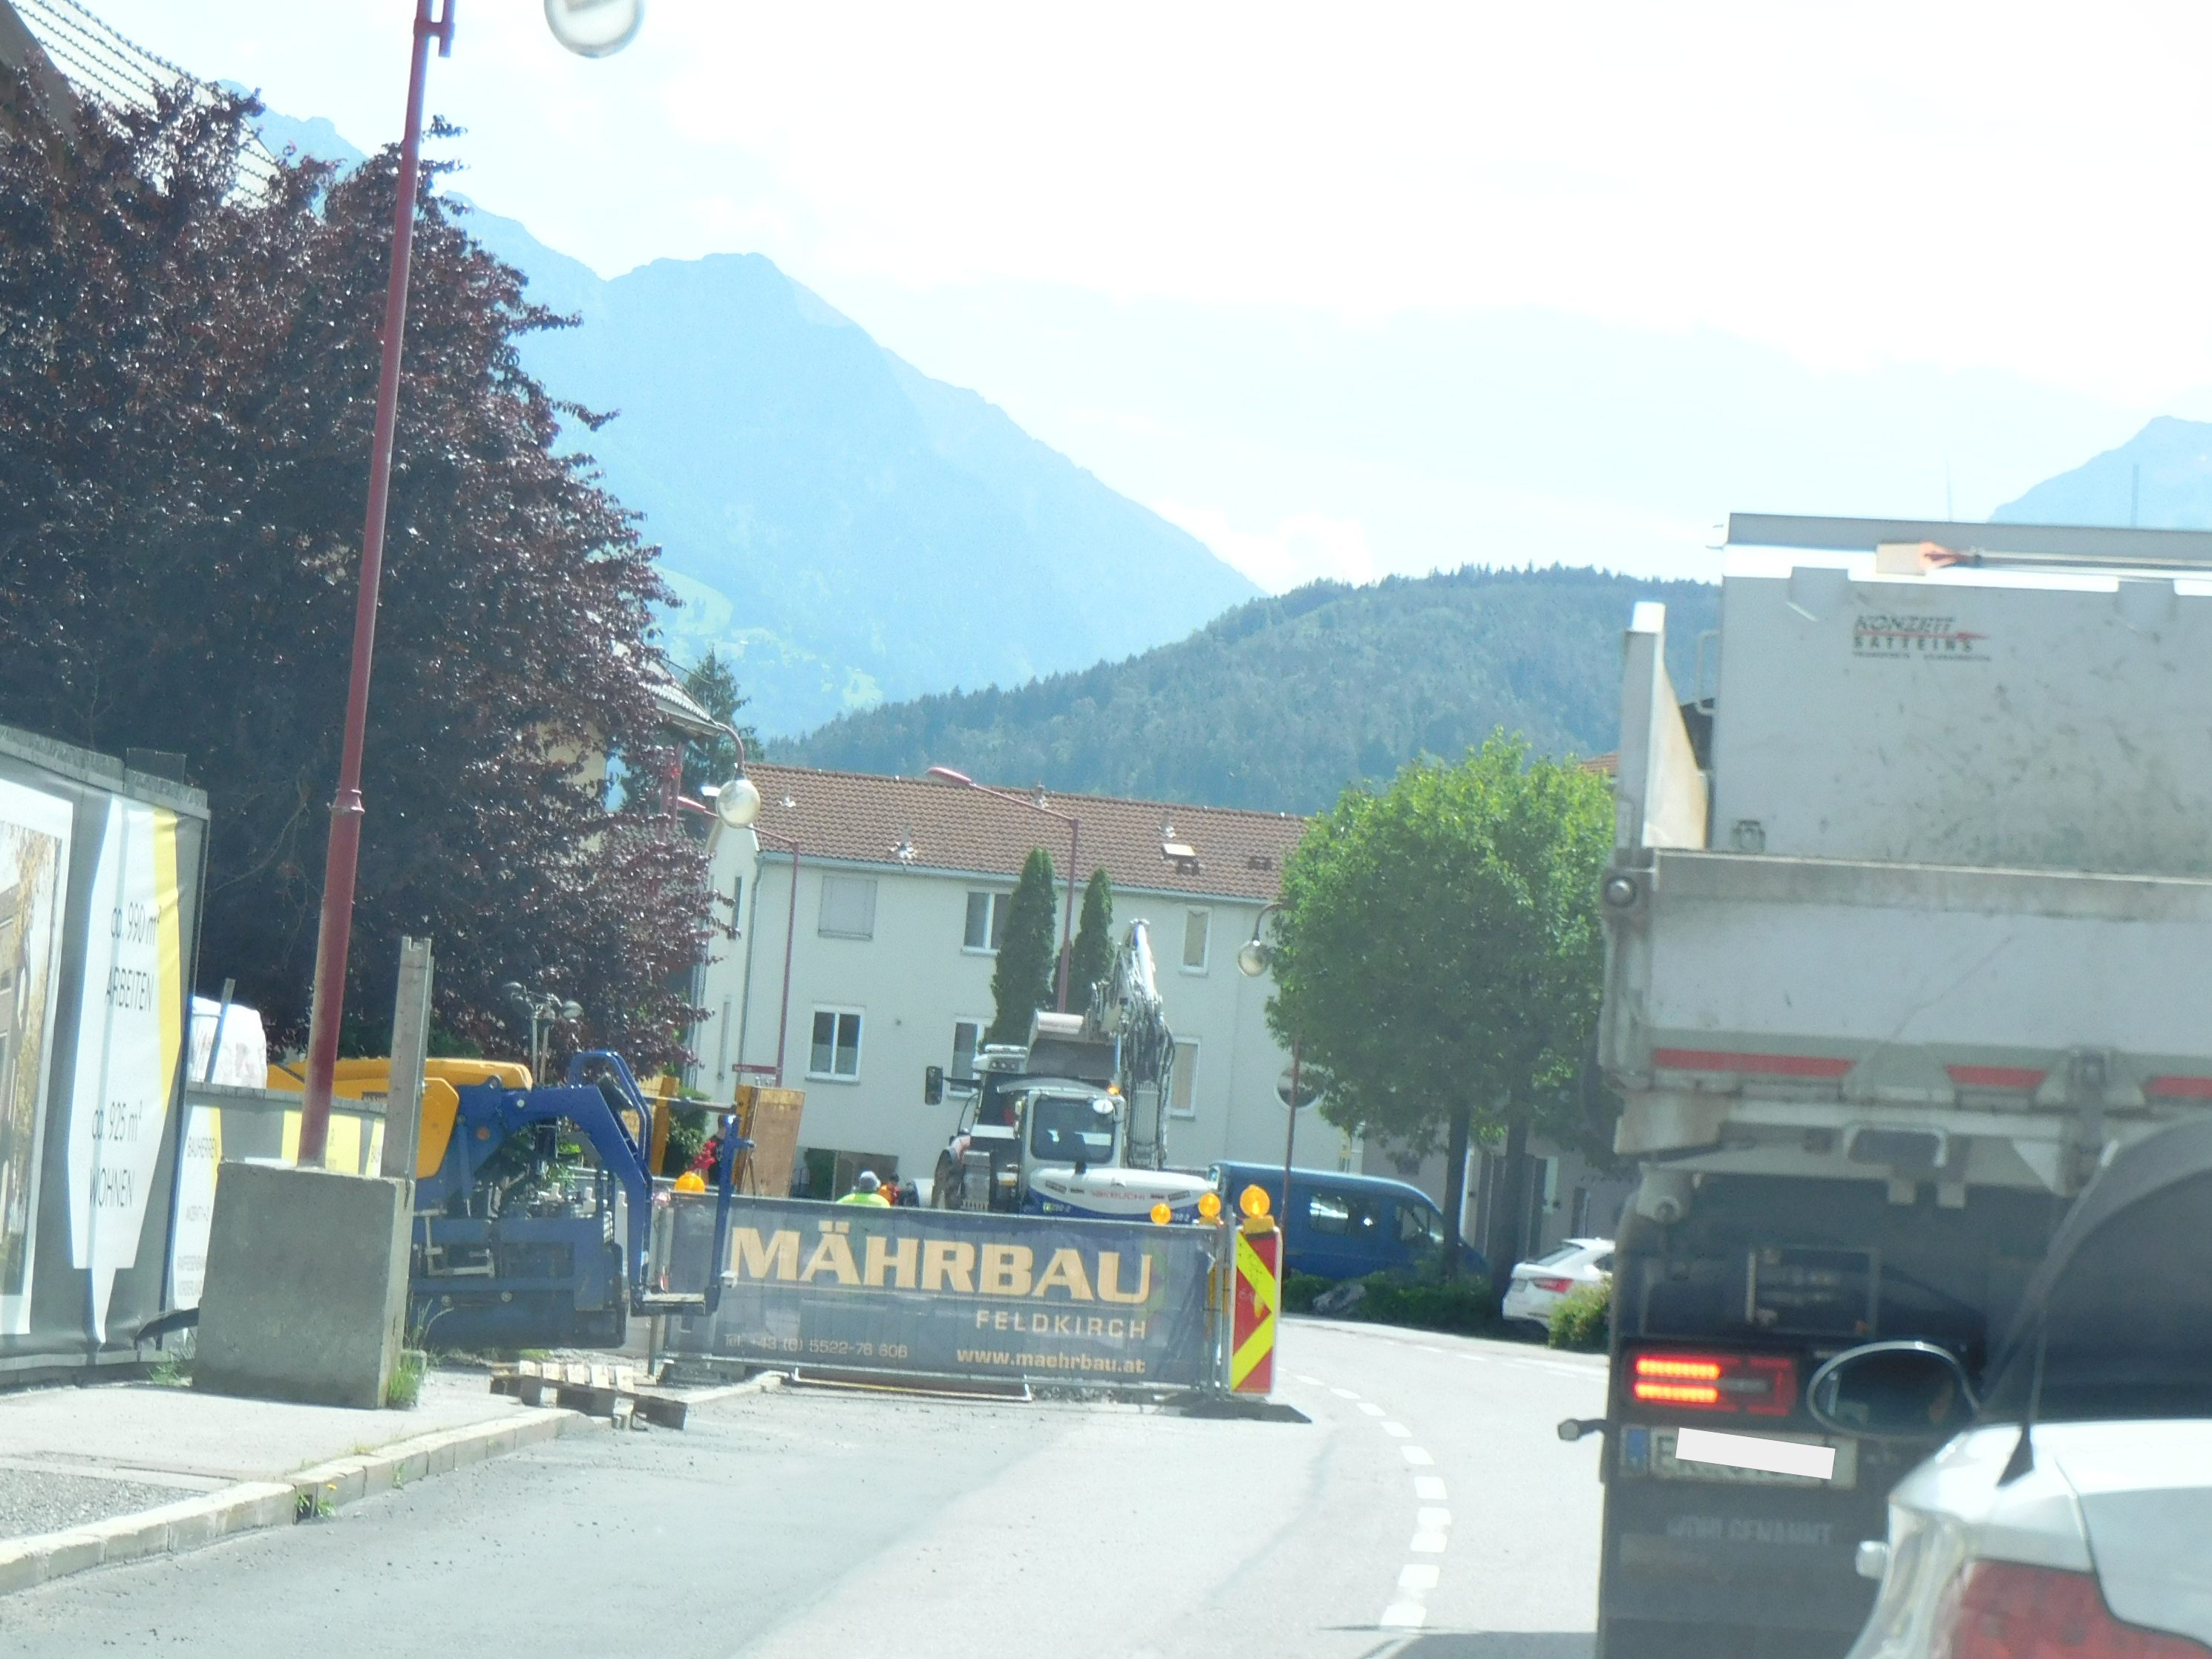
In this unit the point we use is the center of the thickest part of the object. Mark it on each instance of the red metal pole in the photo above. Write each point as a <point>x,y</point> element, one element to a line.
<point>1068,912</point>
<point>790,932</point>
<point>1290,1141</point>
<point>337,932</point>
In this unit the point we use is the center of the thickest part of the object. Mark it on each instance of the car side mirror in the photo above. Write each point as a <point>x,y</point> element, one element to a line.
<point>1899,1390</point>
<point>933,1087</point>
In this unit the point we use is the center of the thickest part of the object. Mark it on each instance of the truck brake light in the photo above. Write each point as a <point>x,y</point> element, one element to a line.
<point>2002,1610</point>
<point>1751,1384</point>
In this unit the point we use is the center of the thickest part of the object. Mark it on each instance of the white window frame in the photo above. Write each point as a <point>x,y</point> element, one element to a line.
<point>859,1017</point>
<point>1187,1056</point>
<point>982,1023</point>
<point>822,906</point>
<point>995,920</point>
<point>1183,953</point>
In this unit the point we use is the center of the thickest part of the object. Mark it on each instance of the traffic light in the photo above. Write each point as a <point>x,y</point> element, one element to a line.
<point>933,1087</point>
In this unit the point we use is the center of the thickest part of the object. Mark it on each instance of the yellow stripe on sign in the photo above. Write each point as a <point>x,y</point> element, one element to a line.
<point>1265,1300</point>
<point>1257,1347</point>
<point>1256,1273</point>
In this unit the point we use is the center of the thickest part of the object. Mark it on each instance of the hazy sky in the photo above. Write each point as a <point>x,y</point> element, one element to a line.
<point>1357,289</point>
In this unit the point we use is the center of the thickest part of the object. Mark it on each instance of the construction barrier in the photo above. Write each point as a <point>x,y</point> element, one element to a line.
<point>952,1293</point>
<point>1258,1299</point>
<point>99,880</point>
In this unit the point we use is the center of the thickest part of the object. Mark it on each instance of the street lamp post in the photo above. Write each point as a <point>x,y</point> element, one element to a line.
<point>737,804</point>
<point>335,934</point>
<point>594,28</point>
<point>1253,957</point>
<point>1075,856</point>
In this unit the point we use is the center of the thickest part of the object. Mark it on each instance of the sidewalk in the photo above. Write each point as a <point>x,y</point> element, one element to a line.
<point>116,1471</point>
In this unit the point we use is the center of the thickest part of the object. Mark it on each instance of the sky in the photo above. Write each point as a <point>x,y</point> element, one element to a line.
<point>1347,290</point>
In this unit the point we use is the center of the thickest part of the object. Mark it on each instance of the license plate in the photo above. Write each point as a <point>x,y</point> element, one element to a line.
<point>1666,1466</point>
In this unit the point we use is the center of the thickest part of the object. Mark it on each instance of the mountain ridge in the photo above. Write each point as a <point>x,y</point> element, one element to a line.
<point>844,528</point>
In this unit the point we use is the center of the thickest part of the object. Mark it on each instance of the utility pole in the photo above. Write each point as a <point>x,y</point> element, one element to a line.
<point>335,936</point>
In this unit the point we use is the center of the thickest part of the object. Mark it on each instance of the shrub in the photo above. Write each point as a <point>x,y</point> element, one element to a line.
<point>1583,1319</point>
<point>1464,1305</point>
<point>1300,1289</point>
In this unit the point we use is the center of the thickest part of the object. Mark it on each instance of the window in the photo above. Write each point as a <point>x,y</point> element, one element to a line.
<point>967,1034</point>
<point>837,1051</point>
<point>1182,1102</point>
<point>1329,1212</point>
<point>848,907</point>
<point>1197,925</point>
<point>987,921</point>
<point>737,906</point>
<point>1071,1128</point>
<point>1420,1226</point>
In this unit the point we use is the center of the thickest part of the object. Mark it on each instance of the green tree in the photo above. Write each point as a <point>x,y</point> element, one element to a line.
<point>1092,958</point>
<point>1439,957</point>
<point>1021,983</point>
<point>713,685</point>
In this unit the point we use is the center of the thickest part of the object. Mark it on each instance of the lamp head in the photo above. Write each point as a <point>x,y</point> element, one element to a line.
<point>949,776</point>
<point>594,28</point>
<point>1252,958</point>
<point>737,803</point>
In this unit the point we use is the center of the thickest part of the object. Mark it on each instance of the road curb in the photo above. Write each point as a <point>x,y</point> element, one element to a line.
<point>251,1506</point>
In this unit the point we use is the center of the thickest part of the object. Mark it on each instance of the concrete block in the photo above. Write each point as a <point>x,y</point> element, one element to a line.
<point>305,1294</point>
<point>72,1552</point>
<point>22,1567</point>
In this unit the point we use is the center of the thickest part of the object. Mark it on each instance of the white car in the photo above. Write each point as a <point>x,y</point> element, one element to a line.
<point>1539,1286</point>
<point>2073,1519</point>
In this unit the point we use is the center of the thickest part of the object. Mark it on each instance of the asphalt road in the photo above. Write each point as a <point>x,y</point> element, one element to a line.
<point>1427,1511</point>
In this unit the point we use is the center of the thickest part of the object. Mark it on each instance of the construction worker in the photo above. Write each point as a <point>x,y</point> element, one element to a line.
<point>867,1190</point>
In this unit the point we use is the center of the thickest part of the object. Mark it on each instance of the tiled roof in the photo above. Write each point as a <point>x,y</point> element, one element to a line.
<point>1607,765</point>
<point>934,825</point>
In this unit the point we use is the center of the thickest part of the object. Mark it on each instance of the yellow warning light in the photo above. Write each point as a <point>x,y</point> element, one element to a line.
<point>1209,1205</point>
<point>1162,1214</point>
<point>690,1181</point>
<point>1113,1088</point>
<point>1253,1200</point>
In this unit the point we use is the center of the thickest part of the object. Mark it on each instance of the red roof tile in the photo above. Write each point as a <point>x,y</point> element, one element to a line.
<point>935,826</point>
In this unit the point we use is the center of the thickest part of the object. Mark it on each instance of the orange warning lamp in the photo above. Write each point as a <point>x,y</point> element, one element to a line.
<point>1254,1202</point>
<point>1161,1215</point>
<point>1209,1205</point>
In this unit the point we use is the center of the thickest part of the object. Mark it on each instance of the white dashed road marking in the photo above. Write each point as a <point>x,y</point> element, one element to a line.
<point>1431,1523</point>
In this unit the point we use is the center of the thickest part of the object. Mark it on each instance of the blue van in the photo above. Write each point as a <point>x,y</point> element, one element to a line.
<point>1346,1226</point>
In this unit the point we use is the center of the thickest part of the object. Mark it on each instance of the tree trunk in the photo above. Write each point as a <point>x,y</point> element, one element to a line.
<point>1509,1206</point>
<point>1462,1127</point>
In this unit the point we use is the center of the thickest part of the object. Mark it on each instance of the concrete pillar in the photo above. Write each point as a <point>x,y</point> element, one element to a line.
<point>306,1296</point>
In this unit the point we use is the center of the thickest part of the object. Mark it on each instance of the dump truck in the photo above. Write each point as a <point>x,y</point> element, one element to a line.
<point>1909,919</point>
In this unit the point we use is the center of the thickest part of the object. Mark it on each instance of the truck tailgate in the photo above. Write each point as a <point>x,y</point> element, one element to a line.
<point>1906,984</point>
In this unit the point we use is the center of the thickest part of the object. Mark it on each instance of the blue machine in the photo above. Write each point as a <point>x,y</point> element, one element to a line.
<point>515,1246</point>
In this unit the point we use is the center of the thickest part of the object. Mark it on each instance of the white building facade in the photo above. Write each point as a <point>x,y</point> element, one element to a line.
<point>899,894</point>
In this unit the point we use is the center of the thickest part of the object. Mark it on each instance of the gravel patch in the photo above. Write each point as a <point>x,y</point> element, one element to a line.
<point>34,1501</point>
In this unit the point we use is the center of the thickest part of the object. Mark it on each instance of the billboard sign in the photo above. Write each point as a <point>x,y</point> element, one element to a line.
<point>958,1293</point>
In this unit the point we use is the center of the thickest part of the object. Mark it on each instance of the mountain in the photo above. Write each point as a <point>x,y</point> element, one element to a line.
<point>1281,702</point>
<point>2159,479</point>
<point>846,528</point>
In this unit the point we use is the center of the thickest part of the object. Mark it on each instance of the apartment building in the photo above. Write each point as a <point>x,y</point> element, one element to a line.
<point>858,924</point>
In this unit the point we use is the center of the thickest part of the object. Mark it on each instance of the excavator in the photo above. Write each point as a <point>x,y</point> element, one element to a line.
<point>1074,1122</point>
<point>520,1240</point>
